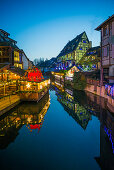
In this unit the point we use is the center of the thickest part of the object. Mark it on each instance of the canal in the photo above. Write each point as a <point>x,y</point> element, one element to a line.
<point>66,130</point>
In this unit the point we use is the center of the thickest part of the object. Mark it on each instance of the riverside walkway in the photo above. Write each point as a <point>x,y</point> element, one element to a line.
<point>8,102</point>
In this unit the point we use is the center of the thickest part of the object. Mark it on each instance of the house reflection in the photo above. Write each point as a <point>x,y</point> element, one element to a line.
<point>29,114</point>
<point>73,107</point>
<point>106,158</point>
<point>81,106</point>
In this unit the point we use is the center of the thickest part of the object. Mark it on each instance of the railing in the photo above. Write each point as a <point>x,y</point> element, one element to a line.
<point>109,89</point>
<point>93,82</point>
<point>7,90</point>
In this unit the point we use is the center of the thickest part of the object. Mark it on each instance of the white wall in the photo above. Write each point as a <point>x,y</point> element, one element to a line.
<point>25,62</point>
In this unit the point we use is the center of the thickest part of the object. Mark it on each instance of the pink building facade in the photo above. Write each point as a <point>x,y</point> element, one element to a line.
<point>107,49</point>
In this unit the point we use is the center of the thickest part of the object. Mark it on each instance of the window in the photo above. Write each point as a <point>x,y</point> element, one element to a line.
<point>105,31</point>
<point>106,71</point>
<point>105,51</point>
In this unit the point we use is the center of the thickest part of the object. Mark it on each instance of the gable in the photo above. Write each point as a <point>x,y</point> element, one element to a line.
<point>84,37</point>
<point>73,44</point>
<point>70,72</point>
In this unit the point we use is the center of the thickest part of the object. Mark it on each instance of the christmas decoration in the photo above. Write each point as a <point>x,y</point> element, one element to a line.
<point>33,75</point>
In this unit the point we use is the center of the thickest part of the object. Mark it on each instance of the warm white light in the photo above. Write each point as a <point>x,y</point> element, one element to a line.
<point>29,119</point>
<point>28,85</point>
<point>40,86</point>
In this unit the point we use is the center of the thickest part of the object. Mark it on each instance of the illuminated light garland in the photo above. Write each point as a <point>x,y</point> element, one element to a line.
<point>110,90</point>
<point>33,75</point>
<point>108,132</point>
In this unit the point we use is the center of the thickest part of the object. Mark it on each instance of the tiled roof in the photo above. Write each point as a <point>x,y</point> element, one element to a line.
<point>4,43</point>
<point>87,58</point>
<point>71,45</point>
<point>93,51</point>
<point>1,30</point>
<point>7,41</point>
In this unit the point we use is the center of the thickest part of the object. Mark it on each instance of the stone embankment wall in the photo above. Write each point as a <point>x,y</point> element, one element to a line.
<point>94,87</point>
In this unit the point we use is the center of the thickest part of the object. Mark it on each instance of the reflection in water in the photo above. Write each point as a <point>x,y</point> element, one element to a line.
<point>81,106</point>
<point>63,142</point>
<point>29,114</point>
<point>77,111</point>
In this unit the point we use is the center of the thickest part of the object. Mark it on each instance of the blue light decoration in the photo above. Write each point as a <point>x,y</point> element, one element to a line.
<point>84,41</point>
<point>109,90</point>
<point>106,86</point>
<point>80,48</point>
<point>91,52</point>
<point>94,66</point>
<point>80,68</point>
<point>108,133</point>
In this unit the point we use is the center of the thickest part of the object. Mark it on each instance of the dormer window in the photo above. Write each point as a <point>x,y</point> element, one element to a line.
<point>84,41</point>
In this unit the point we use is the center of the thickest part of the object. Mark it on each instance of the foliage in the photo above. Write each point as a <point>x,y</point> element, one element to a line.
<point>63,71</point>
<point>79,81</point>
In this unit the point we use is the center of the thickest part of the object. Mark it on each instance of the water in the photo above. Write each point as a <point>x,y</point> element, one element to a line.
<point>66,130</point>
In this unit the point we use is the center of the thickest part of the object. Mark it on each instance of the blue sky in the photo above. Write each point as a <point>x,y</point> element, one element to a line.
<point>42,28</point>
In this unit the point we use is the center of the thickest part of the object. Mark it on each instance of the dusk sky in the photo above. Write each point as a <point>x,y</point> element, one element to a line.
<point>42,28</point>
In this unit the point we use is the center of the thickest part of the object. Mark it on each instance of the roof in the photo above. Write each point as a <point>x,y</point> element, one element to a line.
<point>24,54</point>
<point>17,70</point>
<point>11,40</point>
<point>4,32</point>
<point>13,69</point>
<point>67,69</point>
<point>72,67</point>
<point>88,56</point>
<point>5,43</point>
<point>3,65</point>
<point>105,22</point>
<point>72,45</point>
<point>93,51</point>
